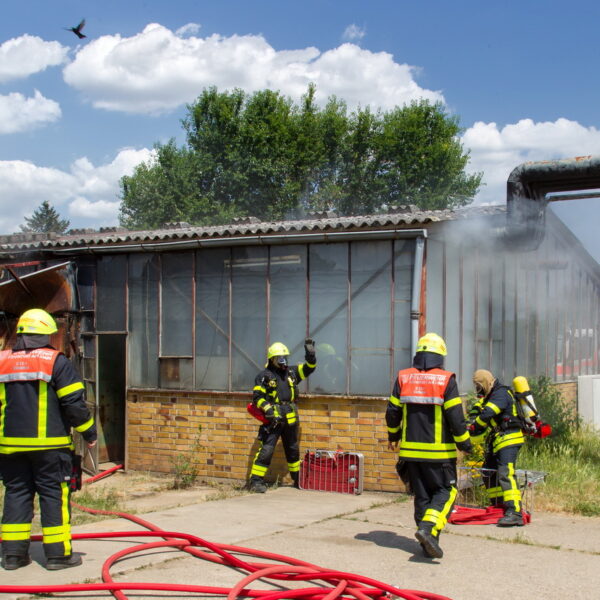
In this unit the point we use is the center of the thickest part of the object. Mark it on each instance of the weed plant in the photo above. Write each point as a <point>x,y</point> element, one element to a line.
<point>185,465</point>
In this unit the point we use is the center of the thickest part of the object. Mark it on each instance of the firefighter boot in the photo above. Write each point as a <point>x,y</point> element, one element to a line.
<point>295,478</point>
<point>429,543</point>
<point>56,563</point>
<point>511,518</point>
<point>11,562</point>
<point>257,485</point>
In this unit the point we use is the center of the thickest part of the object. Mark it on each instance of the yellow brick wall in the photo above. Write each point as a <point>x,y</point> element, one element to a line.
<point>162,424</point>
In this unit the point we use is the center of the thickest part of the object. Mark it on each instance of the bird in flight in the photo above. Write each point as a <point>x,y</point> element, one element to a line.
<point>77,30</point>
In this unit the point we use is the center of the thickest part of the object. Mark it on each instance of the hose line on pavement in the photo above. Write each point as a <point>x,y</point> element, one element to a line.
<point>328,584</point>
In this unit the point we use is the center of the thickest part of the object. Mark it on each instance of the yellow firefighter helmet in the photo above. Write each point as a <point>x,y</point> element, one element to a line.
<point>432,342</point>
<point>36,321</point>
<point>277,349</point>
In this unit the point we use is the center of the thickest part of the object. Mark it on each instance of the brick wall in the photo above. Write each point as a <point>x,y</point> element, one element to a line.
<point>162,424</point>
<point>568,391</point>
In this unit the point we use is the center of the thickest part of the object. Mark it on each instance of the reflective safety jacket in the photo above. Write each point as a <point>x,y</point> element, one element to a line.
<point>425,415</point>
<point>276,390</point>
<point>498,415</point>
<point>41,398</point>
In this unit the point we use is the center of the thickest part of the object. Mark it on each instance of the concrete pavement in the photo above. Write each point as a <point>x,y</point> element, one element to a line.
<point>372,534</point>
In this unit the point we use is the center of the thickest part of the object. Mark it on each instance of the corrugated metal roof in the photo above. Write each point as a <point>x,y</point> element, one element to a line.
<point>405,218</point>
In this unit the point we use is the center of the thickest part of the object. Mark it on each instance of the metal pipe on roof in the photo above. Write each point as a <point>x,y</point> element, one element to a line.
<point>528,188</point>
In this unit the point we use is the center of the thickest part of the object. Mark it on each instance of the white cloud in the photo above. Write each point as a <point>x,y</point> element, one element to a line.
<point>86,195</point>
<point>157,71</point>
<point>497,151</point>
<point>189,29</point>
<point>353,32</point>
<point>23,56</point>
<point>18,113</point>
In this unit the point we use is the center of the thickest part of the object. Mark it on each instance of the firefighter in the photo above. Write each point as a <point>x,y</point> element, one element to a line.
<point>41,398</point>
<point>426,423</point>
<point>495,414</point>
<point>275,394</point>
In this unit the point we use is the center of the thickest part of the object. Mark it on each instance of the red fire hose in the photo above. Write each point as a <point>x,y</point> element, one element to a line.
<point>334,584</point>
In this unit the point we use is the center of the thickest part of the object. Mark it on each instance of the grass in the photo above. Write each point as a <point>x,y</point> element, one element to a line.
<point>573,466</point>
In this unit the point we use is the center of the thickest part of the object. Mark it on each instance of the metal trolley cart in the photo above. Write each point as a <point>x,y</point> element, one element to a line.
<point>472,493</point>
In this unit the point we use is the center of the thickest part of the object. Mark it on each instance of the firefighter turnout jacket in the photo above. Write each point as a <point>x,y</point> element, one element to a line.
<point>425,415</point>
<point>497,414</point>
<point>41,398</point>
<point>276,390</point>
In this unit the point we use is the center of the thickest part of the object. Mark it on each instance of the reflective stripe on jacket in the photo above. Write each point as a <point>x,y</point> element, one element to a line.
<point>37,408</point>
<point>275,391</point>
<point>425,415</point>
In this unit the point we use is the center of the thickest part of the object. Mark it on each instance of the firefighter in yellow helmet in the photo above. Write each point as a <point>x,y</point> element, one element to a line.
<point>275,394</point>
<point>495,414</point>
<point>426,423</point>
<point>41,399</point>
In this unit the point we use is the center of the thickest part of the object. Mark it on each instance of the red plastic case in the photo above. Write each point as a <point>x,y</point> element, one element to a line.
<point>329,471</point>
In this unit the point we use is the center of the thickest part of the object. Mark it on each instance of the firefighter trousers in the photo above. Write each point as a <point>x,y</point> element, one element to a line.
<point>500,479</point>
<point>434,487</point>
<point>267,438</point>
<point>47,473</point>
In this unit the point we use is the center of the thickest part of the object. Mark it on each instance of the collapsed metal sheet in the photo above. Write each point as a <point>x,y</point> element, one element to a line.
<point>53,289</point>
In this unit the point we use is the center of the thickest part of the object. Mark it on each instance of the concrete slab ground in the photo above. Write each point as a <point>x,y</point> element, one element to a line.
<point>555,556</point>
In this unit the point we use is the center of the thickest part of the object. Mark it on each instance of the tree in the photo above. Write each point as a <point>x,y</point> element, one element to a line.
<point>45,219</point>
<point>263,155</point>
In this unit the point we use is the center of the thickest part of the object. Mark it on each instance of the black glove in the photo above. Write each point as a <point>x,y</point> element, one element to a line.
<point>309,349</point>
<point>275,423</point>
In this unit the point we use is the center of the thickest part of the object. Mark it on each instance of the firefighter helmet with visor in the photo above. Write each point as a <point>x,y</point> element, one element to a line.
<point>432,342</point>
<point>36,321</point>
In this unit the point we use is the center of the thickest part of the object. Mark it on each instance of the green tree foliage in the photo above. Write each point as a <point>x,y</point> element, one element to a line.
<point>264,156</point>
<point>45,219</point>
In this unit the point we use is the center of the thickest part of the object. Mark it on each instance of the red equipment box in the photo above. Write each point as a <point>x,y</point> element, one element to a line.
<point>329,471</point>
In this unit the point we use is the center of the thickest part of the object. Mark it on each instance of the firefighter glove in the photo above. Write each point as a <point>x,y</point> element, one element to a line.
<point>275,423</point>
<point>309,350</point>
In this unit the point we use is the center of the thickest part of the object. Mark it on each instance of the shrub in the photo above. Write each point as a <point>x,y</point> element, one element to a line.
<point>553,410</point>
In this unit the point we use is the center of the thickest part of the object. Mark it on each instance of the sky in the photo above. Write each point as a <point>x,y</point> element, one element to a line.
<point>522,77</point>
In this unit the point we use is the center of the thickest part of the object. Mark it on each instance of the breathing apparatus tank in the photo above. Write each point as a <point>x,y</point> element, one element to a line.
<point>527,410</point>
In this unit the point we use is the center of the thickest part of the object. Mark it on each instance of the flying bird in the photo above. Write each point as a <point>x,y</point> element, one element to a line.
<point>77,30</point>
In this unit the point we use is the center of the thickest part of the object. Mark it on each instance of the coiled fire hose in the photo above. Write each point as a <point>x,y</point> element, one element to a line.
<point>333,584</point>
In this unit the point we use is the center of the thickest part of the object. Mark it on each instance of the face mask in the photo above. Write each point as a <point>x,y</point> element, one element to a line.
<point>281,362</point>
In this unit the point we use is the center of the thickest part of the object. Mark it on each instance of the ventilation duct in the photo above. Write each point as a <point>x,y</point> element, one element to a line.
<point>532,185</point>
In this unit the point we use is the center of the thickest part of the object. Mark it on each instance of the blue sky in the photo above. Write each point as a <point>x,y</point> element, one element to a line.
<point>76,115</point>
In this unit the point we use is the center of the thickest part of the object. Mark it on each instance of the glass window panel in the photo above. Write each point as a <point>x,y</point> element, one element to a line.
<point>110,293</point>
<point>435,281</point>
<point>404,251</point>
<point>176,329</point>
<point>468,364</point>
<point>510,325</point>
<point>287,304</point>
<point>212,319</point>
<point>328,301</point>
<point>482,277</point>
<point>86,275</point>
<point>249,314</point>
<point>370,328</point>
<point>142,341</point>
<point>452,298</point>
<point>176,373</point>
<point>497,318</point>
